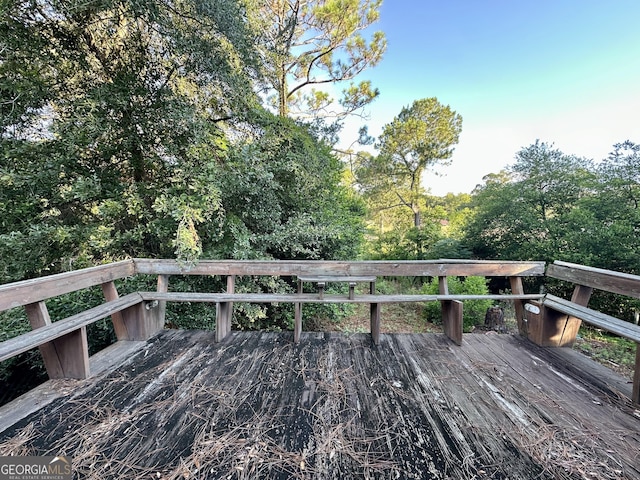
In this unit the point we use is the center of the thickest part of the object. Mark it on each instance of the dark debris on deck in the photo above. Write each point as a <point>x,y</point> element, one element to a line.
<point>256,406</point>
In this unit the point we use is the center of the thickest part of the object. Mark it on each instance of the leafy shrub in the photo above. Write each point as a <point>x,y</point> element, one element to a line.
<point>314,313</point>
<point>473,310</point>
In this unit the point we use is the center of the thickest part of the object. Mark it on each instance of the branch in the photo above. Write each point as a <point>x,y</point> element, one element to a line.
<point>308,81</point>
<point>404,202</point>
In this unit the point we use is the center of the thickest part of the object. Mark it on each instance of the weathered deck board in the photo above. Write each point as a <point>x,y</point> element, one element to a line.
<point>335,406</point>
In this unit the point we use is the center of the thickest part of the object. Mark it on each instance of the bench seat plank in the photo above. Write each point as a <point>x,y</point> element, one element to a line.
<point>313,298</point>
<point>336,278</point>
<point>593,317</point>
<point>27,341</point>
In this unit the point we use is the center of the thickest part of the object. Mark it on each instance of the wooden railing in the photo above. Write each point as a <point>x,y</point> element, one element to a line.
<point>342,271</point>
<point>139,315</point>
<point>554,321</point>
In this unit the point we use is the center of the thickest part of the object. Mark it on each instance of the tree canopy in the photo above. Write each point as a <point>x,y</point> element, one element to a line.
<point>553,206</point>
<point>316,43</point>
<point>125,124</point>
<point>420,137</point>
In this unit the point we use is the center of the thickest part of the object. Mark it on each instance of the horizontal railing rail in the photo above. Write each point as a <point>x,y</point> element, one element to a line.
<point>314,298</point>
<point>38,289</point>
<point>407,268</point>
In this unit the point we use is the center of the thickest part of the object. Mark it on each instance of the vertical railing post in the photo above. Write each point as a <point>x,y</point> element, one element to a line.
<point>374,316</point>
<point>635,389</point>
<point>224,312</point>
<point>119,326</point>
<point>231,288</point>
<point>451,313</point>
<point>518,289</point>
<point>580,296</point>
<point>66,356</point>
<point>163,287</point>
<point>297,325</point>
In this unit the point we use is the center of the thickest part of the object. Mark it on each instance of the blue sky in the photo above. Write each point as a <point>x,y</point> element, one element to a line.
<point>565,72</point>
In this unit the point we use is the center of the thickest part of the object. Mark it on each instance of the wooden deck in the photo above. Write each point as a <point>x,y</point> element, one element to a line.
<point>257,406</point>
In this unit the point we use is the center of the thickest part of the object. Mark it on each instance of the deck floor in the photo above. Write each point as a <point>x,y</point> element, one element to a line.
<point>257,406</point>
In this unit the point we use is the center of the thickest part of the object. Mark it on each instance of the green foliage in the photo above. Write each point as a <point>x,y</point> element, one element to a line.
<point>283,199</point>
<point>420,137</point>
<point>308,44</point>
<point>552,206</point>
<point>449,248</point>
<point>119,156</point>
<point>402,221</point>
<point>134,129</point>
<point>315,313</point>
<point>524,213</point>
<point>133,156</point>
<point>473,310</point>
<point>607,348</point>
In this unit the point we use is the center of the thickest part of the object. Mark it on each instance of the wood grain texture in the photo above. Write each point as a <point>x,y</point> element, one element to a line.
<point>374,316</point>
<point>27,341</point>
<point>110,293</point>
<point>335,278</point>
<point>38,289</point>
<point>334,407</point>
<point>430,268</point>
<point>163,287</point>
<point>518,289</point>
<point>607,280</point>
<point>452,320</point>
<point>38,316</point>
<point>101,363</point>
<point>593,317</point>
<point>314,298</point>
<point>635,393</point>
<point>72,351</point>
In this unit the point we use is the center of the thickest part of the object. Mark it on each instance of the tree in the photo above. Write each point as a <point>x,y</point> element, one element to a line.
<point>283,198</point>
<point>420,137</point>
<point>315,43</point>
<point>111,141</point>
<point>610,223</point>
<point>525,212</point>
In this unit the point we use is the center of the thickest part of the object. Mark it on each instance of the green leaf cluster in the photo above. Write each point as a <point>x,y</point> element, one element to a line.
<point>553,206</point>
<point>473,311</point>
<point>309,45</point>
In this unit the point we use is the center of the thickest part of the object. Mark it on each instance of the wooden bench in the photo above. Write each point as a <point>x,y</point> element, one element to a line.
<point>321,281</point>
<point>559,320</point>
<point>64,343</point>
<point>223,301</point>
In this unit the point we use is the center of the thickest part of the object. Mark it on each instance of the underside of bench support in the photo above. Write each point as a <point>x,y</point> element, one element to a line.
<point>63,357</point>
<point>558,329</point>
